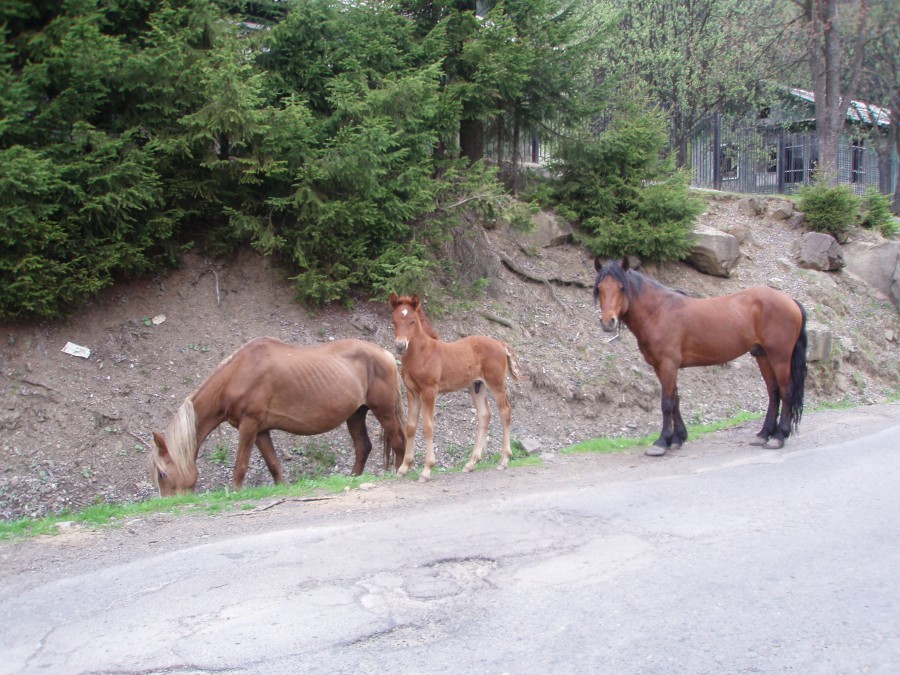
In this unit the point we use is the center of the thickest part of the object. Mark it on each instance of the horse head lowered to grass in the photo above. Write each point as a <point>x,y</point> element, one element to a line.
<point>304,390</point>
<point>675,331</point>
<point>432,366</point>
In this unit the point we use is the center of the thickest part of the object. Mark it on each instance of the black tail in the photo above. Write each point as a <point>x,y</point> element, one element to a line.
<point>798,372</point>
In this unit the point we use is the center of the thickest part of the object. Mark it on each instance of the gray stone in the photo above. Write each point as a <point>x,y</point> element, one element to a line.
<point>819,341</point>
<point>530,445</point>
<point>782,210</point>
<point>548,230</point>
<point>819,251</point>
<point>714,252</point>
<point>876,264</point>
<point>752,206</point>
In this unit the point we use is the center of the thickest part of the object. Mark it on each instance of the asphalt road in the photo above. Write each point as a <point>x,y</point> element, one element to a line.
<point>732,560</point>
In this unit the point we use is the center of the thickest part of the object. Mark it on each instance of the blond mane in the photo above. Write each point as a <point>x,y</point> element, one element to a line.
<point>181,437</point>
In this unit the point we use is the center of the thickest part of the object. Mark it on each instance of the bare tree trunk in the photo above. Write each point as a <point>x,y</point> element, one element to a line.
<point>471,139</point>
<point>517,156</point>
<point>825,57</point>
<point>501,131</point>
<point>895,206</point>
<point>824,65</point>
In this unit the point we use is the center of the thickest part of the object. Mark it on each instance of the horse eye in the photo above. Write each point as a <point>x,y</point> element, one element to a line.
<point>163,474</point>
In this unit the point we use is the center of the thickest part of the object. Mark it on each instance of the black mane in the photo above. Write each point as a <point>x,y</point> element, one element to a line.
<point>630,280</point>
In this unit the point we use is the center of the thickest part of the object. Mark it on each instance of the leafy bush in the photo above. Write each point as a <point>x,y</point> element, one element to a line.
<point>875,213</point>
<point>831,210</point>
<point>626,196</point>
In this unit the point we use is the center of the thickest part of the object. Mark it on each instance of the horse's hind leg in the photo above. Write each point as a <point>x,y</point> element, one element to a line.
<point>362,445</point>
<point>393,436</point>
<point>782,370</point>
<point>768,375</point>
<point>505,411</point>
<point>483,412</point>
<point>267,450</point>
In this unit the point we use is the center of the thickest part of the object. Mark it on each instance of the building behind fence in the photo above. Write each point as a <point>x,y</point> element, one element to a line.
<point>774,154</point>
<point>766,158</point>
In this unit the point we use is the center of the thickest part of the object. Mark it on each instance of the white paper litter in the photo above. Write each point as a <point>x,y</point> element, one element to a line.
<point>77,350</point>
<point>158,319</point>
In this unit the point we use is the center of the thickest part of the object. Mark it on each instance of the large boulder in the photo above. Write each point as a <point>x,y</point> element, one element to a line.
<point>782,210</point>
<point>548,230</point>
<point>714,252</point>
<point>878,264</point>
<point>819,251</point>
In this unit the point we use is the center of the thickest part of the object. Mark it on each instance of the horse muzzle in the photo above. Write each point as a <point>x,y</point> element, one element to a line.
<point>400,346</point>
<point>610,325</point>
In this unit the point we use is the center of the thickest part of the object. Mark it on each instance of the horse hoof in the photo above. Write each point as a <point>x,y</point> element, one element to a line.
<point>674,446</point>
<point>466,468</point>
<point>774,444</point>
<point>655,451</point>
<point>424,479</point>
<point>759,440</point>
<point>501,467</point>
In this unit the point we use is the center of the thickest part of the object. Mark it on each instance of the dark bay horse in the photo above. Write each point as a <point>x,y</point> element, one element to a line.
<point>431,366</point>
<point>675,331</point>
<point>304,390</point>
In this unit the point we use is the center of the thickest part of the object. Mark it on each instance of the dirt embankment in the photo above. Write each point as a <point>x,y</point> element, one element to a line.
<point>73,431</point>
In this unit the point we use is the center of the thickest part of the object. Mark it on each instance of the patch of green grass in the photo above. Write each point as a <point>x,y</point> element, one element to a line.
<point>695,431</point>
<point>107,514</point>
<point>844,404</point>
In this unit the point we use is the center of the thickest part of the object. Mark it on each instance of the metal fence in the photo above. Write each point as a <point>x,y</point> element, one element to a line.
<point>765,159</point>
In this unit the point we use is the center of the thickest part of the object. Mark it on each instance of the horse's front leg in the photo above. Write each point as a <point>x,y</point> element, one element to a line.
<point>414,407</point>
<point>667,374</point>
<point>478,390</point>
<point>428,399</point>
<point>680,433</point>
<point>247,434</point>
<point>267,450</point>
<point>362,445</point>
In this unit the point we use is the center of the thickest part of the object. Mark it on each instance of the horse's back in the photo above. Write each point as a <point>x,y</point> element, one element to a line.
<point>279,370</point>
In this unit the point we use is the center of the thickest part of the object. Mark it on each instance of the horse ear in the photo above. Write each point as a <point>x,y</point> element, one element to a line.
<point>393,299</point>
<point>415,300</point>
<point>161,447</point>
<point>625,263</point>
<point>599,263</point>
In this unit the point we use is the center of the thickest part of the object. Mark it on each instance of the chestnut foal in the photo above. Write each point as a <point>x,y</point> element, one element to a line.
<point>431,366</point>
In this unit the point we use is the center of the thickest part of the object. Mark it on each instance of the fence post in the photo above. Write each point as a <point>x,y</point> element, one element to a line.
<point>717,152</point>
<point>779,164</point>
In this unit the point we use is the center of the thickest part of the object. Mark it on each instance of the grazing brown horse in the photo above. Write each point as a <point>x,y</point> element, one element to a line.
<point>304,390</point>
<point>674,331</point>
<point>431,366</point>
